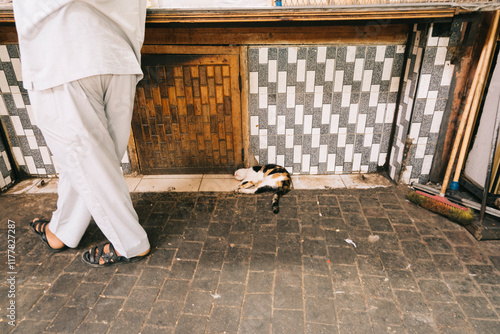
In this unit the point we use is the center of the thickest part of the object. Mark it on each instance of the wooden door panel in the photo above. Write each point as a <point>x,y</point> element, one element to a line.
<point>187,115</point>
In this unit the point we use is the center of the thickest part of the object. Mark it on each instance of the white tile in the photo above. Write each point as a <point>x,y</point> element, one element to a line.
<point>382,159</point>
<point>16,65</point>
<point>6,160</point>
<point>339,81</point>
<point>125,159</point>
<point>432,94</point>
<point>272,71</point>
<point>4,84</point>
<point>45,153</point>
<point>427,164</point>
<point>353,113</point>
<point>380,54</point>
<point>407,71</point>
<point>2,182</point>
<point>306,163</point>
<point>387,71</point>
<point>389,114</point>
<point>342,137</point>
<point>226,184</point>
<point>262,97</point>
<point>447,74</point>
<point>360,126</point>
<point>310,77</point>
<point>316,135</point>
<point>432,41</point>
<point>3,107</point>
<point>170,184</point>
<point>271,115</point>
<point>282,82</point>
<point>430,105</point>
<point>132,182</point>
<point>313,170</point>
<point>351,54</point>
<point>334,124</point>
<point>297,154</point>
<point>423,86</point>
<point>339,169</point>
<point>271,154</point>
<point>292,54</point>
<point>367,81</point>
<point>299,114</point>
<point>308,124</point>
<point>280,160</point>
<point>32,142</point>
<point>440,55</point>
<point>323,153</point>
<point>18,127</point>
<point>358,69</point>
<point>254,125</point>
<point>356,163</point>
<point>289,140</point>
<point>349,151</point>
<point>263,138</point>
<point>421,146</point>
<point>317,182</point>
<point>263,55</point>
<point>368,140</point>
<point>30,163</point>
<point>23,187</point>
<point>400,48</point>
<point>373,102</point>
<point>379,116</point>
<point>414,131</point>
<point>325,113</point>
<point>329,70</point>
<point>301,70</point>
<point>330,166</point>
<point>318,97</point>
<point>444,41</point>
<point>346,96</point>
<point>290,97</point>
<point>321,54</point>
<point>18,98</point>
<point>374,152</point>
<point>254,83</point>
<point>436,122</point>
<point>4,54</point>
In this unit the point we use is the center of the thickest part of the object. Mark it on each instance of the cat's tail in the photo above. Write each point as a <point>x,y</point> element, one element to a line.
<point>276,202</point>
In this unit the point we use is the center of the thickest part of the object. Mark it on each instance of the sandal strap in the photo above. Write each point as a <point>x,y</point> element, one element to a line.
<point>108,257</point>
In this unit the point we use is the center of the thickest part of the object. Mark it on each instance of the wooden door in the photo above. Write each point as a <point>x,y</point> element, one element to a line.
<point>187,115</point>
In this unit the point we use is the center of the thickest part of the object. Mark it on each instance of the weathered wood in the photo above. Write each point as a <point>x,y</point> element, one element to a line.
<point>375,33</point>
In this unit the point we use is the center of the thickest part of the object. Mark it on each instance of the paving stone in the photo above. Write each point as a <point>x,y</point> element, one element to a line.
<point>221,263</point>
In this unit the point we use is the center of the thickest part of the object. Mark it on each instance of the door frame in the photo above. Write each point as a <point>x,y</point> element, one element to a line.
<point>241,102</point>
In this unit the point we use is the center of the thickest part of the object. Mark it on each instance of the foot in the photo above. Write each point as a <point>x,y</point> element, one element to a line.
<point>105,255</point>
<point>40,228</point>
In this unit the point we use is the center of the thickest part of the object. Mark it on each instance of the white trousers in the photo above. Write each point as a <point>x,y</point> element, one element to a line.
<point>86,124</point>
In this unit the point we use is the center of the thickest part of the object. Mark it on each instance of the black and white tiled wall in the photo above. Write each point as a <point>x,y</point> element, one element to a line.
<point>323,109</point>
<point>425,93</point>
<point>28,145</point>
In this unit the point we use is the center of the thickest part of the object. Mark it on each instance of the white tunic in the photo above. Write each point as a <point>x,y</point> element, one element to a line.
<point>92,36</point>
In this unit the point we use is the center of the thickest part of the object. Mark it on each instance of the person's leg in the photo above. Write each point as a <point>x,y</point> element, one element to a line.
<point>79,137</point>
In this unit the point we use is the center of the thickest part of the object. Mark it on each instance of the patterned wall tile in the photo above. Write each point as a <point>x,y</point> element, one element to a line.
<point>6,174</point>
<point>329,109</point>
<point>28,145</point>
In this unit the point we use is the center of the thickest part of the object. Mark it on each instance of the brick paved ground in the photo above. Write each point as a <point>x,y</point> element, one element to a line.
<point>223,263</point>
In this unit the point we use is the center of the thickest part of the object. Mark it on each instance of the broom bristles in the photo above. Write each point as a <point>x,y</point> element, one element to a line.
<point>442,206</point>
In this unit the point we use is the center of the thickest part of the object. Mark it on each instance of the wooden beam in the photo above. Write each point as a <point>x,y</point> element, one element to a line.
<point>353,35</point>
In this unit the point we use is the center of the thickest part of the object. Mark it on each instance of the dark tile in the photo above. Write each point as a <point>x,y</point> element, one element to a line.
<point>191,324</point>
<point>257,306</point>
<point>435,291</point>
<point>412,302</point>
<point>320,310</point>
<point>355,322</point>
<point>287,321</point>
<point>198,303</point>
<point>223,319</point>
<point>476,307</point>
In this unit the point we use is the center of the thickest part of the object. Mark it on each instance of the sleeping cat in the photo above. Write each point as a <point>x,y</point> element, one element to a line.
<point>268,178</point>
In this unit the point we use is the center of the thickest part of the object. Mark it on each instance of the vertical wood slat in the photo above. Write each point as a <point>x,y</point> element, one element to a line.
<point>186,114</point>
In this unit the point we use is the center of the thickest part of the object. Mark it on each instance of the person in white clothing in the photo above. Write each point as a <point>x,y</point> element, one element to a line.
<point>80,63</point>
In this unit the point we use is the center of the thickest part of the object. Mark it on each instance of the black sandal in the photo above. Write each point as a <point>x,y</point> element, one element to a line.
<point>110,258</point>
<point>38,226</point>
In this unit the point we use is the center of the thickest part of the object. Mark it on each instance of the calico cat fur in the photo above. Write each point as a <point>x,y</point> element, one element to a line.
<point>267,178</point>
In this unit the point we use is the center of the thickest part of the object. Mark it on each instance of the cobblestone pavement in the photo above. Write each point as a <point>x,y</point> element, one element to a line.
<point>224,263</point>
